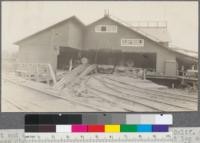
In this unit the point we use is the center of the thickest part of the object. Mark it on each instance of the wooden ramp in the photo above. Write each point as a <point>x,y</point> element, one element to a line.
<point>70,76</point>
<point>79,78</point>
<point>75,74</point>
<point>88,70</point>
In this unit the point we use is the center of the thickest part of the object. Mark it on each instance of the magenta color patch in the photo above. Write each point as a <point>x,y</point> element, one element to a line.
<point>79,128</point>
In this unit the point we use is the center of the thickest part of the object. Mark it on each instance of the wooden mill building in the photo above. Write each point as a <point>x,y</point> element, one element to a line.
<point>105,41</point>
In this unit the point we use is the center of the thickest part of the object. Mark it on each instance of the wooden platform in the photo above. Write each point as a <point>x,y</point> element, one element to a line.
<point>161,77</point>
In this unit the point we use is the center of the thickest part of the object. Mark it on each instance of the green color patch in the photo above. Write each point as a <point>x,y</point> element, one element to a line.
<point>128,128</point>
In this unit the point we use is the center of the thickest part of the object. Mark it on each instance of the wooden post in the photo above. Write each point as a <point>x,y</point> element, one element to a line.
<point>144,74</point>
<point>182,70</point>
<point>29,71</point>
<point>52,74</point>
<point>37,72</point>
<point>70,64</point>
<point>193,85</point>
<point>172,85</point>
<point>193,67</point>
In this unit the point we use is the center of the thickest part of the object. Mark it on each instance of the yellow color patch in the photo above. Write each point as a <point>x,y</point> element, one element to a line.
<point>112,128</point>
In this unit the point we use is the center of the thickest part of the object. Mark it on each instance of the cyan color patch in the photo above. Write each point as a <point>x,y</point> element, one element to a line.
<point>144,128</point>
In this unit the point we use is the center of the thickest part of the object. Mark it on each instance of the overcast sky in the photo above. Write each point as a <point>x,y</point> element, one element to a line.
<point>20,19</point>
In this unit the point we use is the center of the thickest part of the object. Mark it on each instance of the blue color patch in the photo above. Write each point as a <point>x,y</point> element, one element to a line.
<point>144,128</point>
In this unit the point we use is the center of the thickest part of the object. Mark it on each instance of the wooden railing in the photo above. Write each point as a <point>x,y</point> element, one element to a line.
<point>36,71</point>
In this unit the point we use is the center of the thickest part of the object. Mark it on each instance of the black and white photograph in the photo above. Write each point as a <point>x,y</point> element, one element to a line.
<point>95,56</point>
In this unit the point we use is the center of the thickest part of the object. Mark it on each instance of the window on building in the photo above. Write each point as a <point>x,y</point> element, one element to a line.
<point>103,28</point>
<point>132,42</point>
<point>106,28</point>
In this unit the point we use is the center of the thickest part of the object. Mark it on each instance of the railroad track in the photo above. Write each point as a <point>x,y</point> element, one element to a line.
<point>140,97</point>
<point>79,103</point>
<point>125,101</point>
<point>97,99</point>
<point>157,100</point>
<point>119,94</point>
<point>162,97</point>
<point>130,105</point>
<point>93,103</point>
<point>117,107</point>
<point>156,92</point>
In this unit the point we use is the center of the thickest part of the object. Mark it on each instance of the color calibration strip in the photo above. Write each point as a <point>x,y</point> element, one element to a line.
<point>69,119</point>
<point>96,128</point>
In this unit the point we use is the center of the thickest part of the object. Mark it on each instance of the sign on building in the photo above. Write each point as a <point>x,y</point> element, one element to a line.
<point>132,42</point>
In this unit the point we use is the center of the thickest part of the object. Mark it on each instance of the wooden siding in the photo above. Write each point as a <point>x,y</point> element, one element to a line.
<point>95,40</point>
<point>41,48</point>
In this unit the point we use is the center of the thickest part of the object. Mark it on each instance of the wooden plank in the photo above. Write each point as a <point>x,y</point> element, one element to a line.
<point>70,77</point>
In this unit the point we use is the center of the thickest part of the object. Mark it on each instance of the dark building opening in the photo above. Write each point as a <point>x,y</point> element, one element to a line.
<point>66,57</point>
<point>108,57</point>
<point>119,58</point>
<point>139,60</point>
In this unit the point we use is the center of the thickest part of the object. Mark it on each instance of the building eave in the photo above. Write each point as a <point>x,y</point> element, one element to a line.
<point>48,28</point>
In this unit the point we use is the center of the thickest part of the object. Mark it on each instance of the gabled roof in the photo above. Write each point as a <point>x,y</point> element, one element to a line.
<point>157,34</point>
<point>160,33</point>
<point>50,27</point>
<point>148,34</point>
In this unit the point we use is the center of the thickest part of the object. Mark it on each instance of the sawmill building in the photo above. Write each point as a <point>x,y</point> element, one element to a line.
<point>106,41</point>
